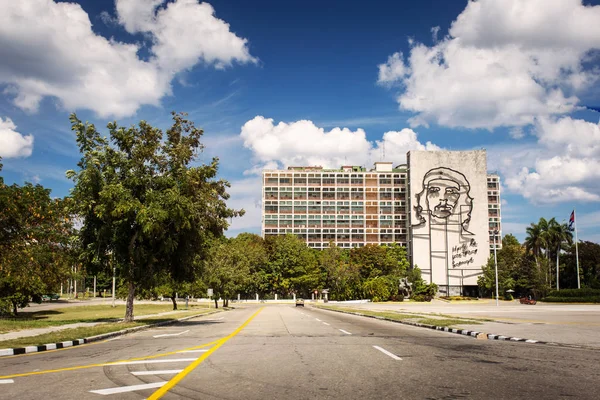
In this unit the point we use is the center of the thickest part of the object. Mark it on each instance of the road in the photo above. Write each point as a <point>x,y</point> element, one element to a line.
<point>280,351</point>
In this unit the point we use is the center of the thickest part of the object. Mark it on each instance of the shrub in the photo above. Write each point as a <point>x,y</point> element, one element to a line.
<point>585,292</point>
<point>556,299</point>
<point>421,297</point>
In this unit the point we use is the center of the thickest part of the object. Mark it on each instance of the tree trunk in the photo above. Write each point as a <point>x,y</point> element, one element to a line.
<point>15,308</point>
<point>129,305</point>
<point>216,303</point>
<point>226,303</point>
<point>174,300</point>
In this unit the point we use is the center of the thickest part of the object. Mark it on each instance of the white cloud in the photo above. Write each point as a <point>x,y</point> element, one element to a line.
<point>393,70</point>
<point>519,64</point>
<point>185,32</point>
<point>302,143</point>
<point>12,143</point>
<point>49,50</point>
<point>565,166</point>
<point>504,63</point>
<point>517,132</point>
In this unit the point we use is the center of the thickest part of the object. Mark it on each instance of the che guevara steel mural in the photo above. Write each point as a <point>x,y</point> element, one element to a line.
<point>444,205</point>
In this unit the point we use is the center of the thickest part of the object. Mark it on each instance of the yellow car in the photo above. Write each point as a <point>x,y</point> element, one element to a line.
<point>299,303</point>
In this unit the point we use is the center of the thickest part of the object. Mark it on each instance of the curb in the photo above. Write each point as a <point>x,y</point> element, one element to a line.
<point>77,342</point>
<point>464,332</point>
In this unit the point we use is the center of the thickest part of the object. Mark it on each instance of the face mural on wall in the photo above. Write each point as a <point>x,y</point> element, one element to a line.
<point>445,199</point>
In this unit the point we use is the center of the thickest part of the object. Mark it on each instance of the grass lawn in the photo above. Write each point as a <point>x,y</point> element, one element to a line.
<point>440,320</point>
<point>84,332</point>
<point>91,313</point>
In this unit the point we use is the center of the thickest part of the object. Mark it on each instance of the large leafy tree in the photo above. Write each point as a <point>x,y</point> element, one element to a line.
<point>292,266</point>
<point>227,269</point>
<point>35,247</point>
<point>341,276</point>
<point>144,207</point>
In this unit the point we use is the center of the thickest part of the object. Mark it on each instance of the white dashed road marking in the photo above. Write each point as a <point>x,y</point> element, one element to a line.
<point>171,334</point>
<point>318,319</point>
<point>125,389</point>
<point>346,332</point>
<point>152,361</point>
<point>384,351</point>
<point>325,323</point>
<point>157,372</point>
<point>3,381</point>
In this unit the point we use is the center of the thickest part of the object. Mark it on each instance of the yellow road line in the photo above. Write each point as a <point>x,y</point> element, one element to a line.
<point>48,371</point>
<point>169,385</point>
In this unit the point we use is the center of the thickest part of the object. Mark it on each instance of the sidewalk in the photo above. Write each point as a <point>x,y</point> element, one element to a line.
<point>568,324</point>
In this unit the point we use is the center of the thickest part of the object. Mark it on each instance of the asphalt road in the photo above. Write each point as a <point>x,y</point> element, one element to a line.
<point>284,352</point>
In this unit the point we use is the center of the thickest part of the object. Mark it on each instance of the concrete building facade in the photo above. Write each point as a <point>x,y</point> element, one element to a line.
<point>349,207</point>
<point>443,206</point>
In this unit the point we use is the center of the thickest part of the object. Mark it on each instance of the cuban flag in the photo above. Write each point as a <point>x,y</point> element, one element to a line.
<point>572,220</point>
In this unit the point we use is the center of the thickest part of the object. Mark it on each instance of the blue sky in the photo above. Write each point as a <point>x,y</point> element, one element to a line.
<point>276,83</point>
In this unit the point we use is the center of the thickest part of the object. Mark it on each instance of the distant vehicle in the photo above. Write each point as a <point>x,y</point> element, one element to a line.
<point>51,296</point>
<point>299,303</point>
<point>527,300</point>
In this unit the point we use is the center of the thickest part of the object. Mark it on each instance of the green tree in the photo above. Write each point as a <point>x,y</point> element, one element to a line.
<point>589,264</point>
<point>292,266</point>
<point>256,253</point>
<point>227,269</point>
<point>143,205</point>
<point>559,235</point>
<point>341,276</point>
<point>35,246</point>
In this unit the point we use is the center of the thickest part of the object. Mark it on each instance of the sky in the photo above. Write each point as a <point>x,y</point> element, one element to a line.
<point>309,82</point>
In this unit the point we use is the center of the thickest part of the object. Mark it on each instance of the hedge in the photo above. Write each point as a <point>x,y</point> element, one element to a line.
<point>578,293</point>
<point>555,299</point>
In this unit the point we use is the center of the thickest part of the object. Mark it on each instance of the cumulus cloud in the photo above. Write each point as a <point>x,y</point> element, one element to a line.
<point>566,166</point>
<point>12,143</point>
<point>50,50</point>
<point>519,64</point>
<point>206,38</point>
<point>503,63</point>
<point>303,143</point>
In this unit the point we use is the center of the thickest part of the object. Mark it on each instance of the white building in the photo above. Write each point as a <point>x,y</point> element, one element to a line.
<point>450,217</point>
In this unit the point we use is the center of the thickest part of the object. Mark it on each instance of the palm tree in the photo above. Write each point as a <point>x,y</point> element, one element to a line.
<point>559,234</point>
<point>534,241</point>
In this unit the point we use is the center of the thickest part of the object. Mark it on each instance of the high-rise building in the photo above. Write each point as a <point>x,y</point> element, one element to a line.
<point>443,206</point>
<point>349,206</point>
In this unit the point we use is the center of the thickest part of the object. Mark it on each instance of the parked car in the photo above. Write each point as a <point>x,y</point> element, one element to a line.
<point>299,303</point>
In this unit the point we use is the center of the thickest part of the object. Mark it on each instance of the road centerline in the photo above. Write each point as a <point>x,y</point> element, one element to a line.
<point>170,384</point>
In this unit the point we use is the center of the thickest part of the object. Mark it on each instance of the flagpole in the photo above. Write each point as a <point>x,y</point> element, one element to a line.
<point>576,250</point>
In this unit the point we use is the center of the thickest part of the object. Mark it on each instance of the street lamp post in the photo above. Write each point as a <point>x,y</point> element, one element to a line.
<point>114,274</point>
<point>496,265</point>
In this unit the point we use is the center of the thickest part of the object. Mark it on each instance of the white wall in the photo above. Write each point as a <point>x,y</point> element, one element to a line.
<point>449,245</point>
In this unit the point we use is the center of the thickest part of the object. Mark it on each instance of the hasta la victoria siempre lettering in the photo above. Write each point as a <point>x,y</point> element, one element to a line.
<point>461,252</point>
